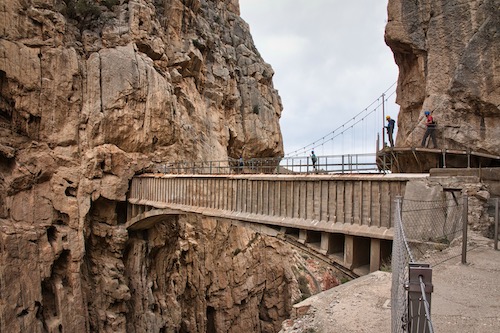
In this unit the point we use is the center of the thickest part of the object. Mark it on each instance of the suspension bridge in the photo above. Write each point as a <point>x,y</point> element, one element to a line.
<point>355,132</point>
<point>366,131</point>
<point>367,152</point>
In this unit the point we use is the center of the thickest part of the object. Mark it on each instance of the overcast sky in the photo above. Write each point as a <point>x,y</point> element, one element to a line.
<point>330,63</point>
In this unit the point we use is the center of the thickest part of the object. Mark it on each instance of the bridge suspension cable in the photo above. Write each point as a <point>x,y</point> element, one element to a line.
<point>348,125</point>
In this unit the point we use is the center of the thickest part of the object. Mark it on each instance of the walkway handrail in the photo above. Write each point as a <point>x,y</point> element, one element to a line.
<point>347,163</point>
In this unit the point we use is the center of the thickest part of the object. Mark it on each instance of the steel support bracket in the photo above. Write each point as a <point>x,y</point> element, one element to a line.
<point>417,270</point>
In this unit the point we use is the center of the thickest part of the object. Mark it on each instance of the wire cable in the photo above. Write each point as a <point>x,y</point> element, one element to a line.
<point>324,138</point>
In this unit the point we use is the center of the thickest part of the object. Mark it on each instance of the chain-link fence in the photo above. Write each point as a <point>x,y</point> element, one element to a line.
<point>423,233</point>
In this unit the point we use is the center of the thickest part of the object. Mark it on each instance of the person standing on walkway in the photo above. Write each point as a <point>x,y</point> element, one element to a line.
<point>240,164</point>
<point>391,123</point>
<point>314,159</point>
<point>430,131</point>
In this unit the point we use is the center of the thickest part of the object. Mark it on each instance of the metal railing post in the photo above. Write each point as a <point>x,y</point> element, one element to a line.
<point>384,163</point>
<point>465,222</point>
<point>419,291</point>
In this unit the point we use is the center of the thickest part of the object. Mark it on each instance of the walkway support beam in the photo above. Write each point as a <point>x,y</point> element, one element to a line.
<point>374,254</point>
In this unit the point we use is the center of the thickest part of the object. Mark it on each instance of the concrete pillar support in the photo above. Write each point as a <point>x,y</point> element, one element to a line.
<point>325,243</point>
<point>374,255</point>
<point>349,251</point>
<point>302,236</point>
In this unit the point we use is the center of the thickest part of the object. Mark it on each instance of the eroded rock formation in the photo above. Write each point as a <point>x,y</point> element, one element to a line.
<point>91,93</point>
<point>448,53</point>
<point>187,274</point>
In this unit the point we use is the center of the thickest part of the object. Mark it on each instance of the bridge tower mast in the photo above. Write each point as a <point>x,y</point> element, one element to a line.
<point>383,120</point>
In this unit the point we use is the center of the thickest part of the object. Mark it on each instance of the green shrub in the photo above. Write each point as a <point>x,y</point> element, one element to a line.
<point>385,266</point>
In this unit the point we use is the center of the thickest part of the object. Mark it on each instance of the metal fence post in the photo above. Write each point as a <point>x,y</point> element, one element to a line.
<point>419,292</point>
<point>465,223</point>
<point>399,203</point>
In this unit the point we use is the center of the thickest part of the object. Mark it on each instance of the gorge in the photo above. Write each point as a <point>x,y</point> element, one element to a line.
<point>94,92</point>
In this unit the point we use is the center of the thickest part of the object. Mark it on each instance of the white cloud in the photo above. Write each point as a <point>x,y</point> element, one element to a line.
<point>284,46</point>
<point>330,62</point>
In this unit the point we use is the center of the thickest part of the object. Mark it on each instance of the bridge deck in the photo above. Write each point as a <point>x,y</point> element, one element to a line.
<point>354,204</point>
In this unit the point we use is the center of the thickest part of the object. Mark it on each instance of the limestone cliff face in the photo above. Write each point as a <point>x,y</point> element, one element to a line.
<point>188,274</point>
<point>448,53</point>
<point>172,79</point>
<point>92,92</point>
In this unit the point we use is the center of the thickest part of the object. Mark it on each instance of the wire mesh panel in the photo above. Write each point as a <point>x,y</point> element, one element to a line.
<point>423,232</point>
<point>431,226</point>
<point>400,259</point>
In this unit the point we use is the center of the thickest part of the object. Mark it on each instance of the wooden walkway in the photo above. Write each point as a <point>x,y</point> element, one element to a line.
<point>421,160</point>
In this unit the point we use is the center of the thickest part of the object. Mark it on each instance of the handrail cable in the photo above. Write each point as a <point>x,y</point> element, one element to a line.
<point>300,151</point>
<point>313,144</point>
<point>426,305</point>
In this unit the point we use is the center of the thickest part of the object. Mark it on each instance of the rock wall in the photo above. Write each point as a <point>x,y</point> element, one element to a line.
<point>187,274</point>
<point>91,93</point>
<point>448,53</point>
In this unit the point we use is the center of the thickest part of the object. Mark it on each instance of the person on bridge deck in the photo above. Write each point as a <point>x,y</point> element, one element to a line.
<point>390,129</point>
<point>430,131</point>
<point>314,159</point>
<point>240,164</point>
